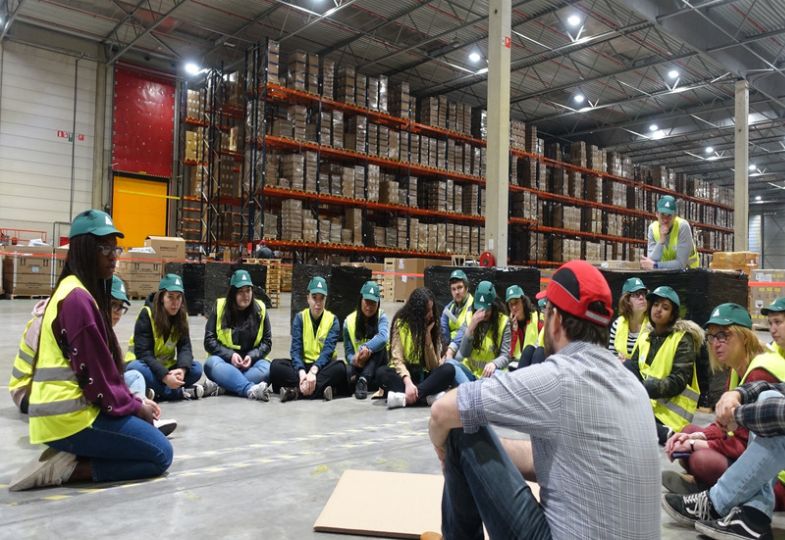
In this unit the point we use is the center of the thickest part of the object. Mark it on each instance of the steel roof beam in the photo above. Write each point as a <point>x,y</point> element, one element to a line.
<point>176,5</point>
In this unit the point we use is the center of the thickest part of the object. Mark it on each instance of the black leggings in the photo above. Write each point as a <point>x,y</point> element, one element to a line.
<point>283,375</point>
<point>369,370</point>
<point>431,383</point>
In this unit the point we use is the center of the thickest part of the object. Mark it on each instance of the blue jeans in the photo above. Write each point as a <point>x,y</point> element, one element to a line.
<point>462,373</point>
<point>482,486</point>
<point>120,448</point>
<point>235,381</point>
<point>749,481</point>
<point>135,382</point>
<point>163,392</point>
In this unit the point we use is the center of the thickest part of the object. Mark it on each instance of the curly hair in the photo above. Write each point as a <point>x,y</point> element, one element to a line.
<point>491,327</point>
<point>365,327</point>
<point>413,314</point>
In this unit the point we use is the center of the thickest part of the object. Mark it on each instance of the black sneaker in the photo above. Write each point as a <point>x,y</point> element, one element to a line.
<point>361,390</point>
<point>688,509</point>
<point>738,524</point>
<point>288,394</point>
<point>212,389</point>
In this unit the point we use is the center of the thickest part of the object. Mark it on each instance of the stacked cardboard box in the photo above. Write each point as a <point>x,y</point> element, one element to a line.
<point>194,105</point>
<point>293,169</point>
<point>388,191</point>
<point>328,78</point>
<point>310,229</point>
<point>372,183</point>
<point>297,71</point>
<point>337,129</point>
<point>373,139</point>
<point>575,184</point>
<point>354,222</point>
<point>598,159</point>
<point>517,134</point>
<point>593,189</point>
<point>532,143</point>
<point>429,111</point>
<point>273,62</point>
<point>593,251</point>
<point>292,220</point>
<point>270,225</point>
<point>356,136</point>
<point>141,272</point>
<point>591,220</point>
<point>28,271</point>
<point>346,84</point>
<point>762,296</point>
<point>194,145</point>
<point>578,153</point>
<point>361,90</point>
<point>383,142</point>
<point>402,276</point>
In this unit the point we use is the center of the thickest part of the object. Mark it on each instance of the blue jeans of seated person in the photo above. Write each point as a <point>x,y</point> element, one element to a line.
<point>749,481</point>
<point>462,373</point>
<point>120,448</point>
<point>135,382</point>
<point>233,380</point>
<point>483,487</point>
<point>163,392</point>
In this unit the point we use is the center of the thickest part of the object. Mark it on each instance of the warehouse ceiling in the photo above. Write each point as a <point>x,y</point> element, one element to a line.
<point>657,77</point>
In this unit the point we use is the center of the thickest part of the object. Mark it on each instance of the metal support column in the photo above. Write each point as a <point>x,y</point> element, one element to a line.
<point>497,198</point>
<point>741,164</point>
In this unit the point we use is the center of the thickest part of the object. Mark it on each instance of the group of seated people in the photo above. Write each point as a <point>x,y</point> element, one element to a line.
<point>96,409</point>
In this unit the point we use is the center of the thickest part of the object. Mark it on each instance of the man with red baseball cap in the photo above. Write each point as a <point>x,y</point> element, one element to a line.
<point>585,416</point>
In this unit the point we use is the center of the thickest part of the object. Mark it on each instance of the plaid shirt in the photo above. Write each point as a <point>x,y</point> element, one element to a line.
<point>593,440</point>
<point>765,418</point>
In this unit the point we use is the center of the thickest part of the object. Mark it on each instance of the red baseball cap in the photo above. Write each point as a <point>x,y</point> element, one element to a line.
<point>574,287</point>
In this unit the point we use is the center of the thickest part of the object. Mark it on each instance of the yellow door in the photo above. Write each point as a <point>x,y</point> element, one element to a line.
<point>139,209</point>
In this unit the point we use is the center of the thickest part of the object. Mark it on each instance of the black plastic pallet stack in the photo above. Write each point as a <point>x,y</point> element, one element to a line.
<point>437,279</point>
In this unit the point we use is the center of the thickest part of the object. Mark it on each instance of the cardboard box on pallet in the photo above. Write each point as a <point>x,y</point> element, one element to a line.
<point>372,182</point>
<point>345,88</point>
<point>273,63</point>
<point>167,247</point>
<point>356,136</point>
<point>337,129</point>
<point>328,78</point>
<point>762,294</point>
<point>27,270</point>
<point>406,275</point>
<point>361,90</point>
<point>400,100</point>
<point>373,139</point>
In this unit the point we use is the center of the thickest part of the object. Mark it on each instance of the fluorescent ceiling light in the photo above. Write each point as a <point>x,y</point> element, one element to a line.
<point>475,57</point>
<point>752,166</point>
<point>574,20</point>
<point>653,127</point>
<point>579,98</point>
<point>192,68</point>
<point>709,149</point>
<point>757,197</point>
<point>673,73</point>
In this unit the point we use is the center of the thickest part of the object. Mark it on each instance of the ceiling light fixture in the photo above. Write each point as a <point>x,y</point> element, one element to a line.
<point>673,73</point>
<point>574,21</point>
<point>709,149</point>
<point>757,197</point>
<point>192,68</point>
<point>752,166</point>
<point>579,98</point>
<point>653,127</point>
<point>475,57</point>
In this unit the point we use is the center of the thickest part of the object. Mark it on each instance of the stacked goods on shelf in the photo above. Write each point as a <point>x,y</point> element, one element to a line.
<point>141,272</point>
<point>272,66</point>
<point>517,134</point>
<point>292,220</point>
<point>765,287</point>
<point>740,261</point>
<point>194,105</point>
<point>194,145</point>
<point>28,270</point>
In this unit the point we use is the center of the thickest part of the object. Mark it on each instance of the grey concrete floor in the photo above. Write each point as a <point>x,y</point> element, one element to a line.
<point>242,469</point>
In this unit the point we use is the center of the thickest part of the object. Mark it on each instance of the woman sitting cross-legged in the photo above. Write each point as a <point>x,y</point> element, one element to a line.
<point>365,335</point>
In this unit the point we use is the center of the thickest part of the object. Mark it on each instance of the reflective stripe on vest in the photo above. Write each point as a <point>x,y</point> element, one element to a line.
<point>58,408</point>
<point>224,335</point>
<point>351,326</point>
<point>456,321</point>
<point>622,334</point>
<point>670,248</point>
<point>530,336</point>
<point>164,351</point>
<point>22,369</point>
<point>488,349</point>
<point>675,412</point>
<point>312,345</point>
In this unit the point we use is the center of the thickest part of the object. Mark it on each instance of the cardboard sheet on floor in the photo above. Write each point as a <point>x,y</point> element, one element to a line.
<point>405,505</point>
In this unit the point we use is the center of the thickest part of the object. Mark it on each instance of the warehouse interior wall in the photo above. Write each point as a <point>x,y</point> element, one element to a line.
<point>767,230</point>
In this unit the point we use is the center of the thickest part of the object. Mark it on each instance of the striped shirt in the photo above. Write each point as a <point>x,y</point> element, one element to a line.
<point>587,418</point>
<point>631,337</point>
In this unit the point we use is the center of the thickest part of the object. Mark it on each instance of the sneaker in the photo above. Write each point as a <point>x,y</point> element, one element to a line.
<point>680,483</point>
<point>51,468</point>
<point>737,524</point>
<point>212,389</point>
<point>687,509</point>
<point>431,399</point>
<point>361,389</point>
<point>150,394</point>
<point>288,394</point>
<point>260,392</point>
<point>328,393</point>
<point>165,425</point>
<point>396,400</point>
<point>194,392</point>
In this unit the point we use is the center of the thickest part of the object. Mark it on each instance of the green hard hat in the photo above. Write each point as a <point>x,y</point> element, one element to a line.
<point>778,306</point>
<point>93,222</point>
<point>171,283</point>
<point>484,295</point>
<point>513,291</point>
<point>458,274</point>
<point>665,292</point>
<point>666,205</point>
<point>317,285</point>
<point>371,291</point>
<point>118,290</point>
<point>730,314</point>
<point>241,278</point>
<point>632,285</point>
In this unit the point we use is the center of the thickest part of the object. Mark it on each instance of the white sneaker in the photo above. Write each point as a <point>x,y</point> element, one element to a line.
<point>51,468</point>
<point>212,389</point>
<point>436,397</point>
<point>396,400</point>
<point>165,425</point>
<point>194,392</point>
<point>260,392</point>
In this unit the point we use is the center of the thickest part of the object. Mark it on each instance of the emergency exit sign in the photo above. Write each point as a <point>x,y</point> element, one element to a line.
<point>62,134</point>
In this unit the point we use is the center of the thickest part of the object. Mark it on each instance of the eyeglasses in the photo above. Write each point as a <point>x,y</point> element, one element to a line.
<point>120,308</point>
<point>106,250</point>
<point>719,337</point>
<point>638,294</point>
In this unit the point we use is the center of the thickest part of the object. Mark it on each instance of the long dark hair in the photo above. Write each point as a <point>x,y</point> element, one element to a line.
<point>413,315</point>
<point>491,326</point>
<point>233,315</point>
<point>366,327</point>
<point>166,323</point>
<point>82,262</point>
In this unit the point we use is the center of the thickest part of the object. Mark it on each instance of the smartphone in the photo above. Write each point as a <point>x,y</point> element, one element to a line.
<point>681,455</point>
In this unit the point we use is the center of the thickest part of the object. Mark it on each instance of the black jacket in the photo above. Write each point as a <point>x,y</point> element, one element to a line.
<point>244,335</point>
<point>144,345</point>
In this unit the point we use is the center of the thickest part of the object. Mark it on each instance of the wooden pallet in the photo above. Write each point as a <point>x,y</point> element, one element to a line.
<point>26,296</point>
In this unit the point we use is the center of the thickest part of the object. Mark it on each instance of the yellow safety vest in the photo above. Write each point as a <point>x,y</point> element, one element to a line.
<point>487,351</point>
<point>622,333</point>
<point>351,325</point>
<point>541,337</point>
<point>312,345</point>
<point>675,412</point>
<point>407,345</point>
<point>777,349</point>
<point>164,351</point>
<point>669,249</point>
<point>58,407</point>
<point>463,316</point>
<point>530,336</point>
<point>22,370</point>
<point>224,335</point>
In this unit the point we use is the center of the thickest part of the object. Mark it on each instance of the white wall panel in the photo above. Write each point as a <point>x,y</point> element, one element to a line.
<point>37,102</point>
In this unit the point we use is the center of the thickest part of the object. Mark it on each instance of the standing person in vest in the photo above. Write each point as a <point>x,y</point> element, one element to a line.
<point>775,312</point>
<point>456,315</point>
<point>631,320</point>
<point>313,371</point>
<point>486,339</point>
<point>79,404</point>
<point>525,326</point>
<point>664,361</point>
<point>238,338</point>
<point>365,335</point>
<point>670,243</point>
<point>160,348</point>
<point>732,344</point>
<point>414,374</point>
